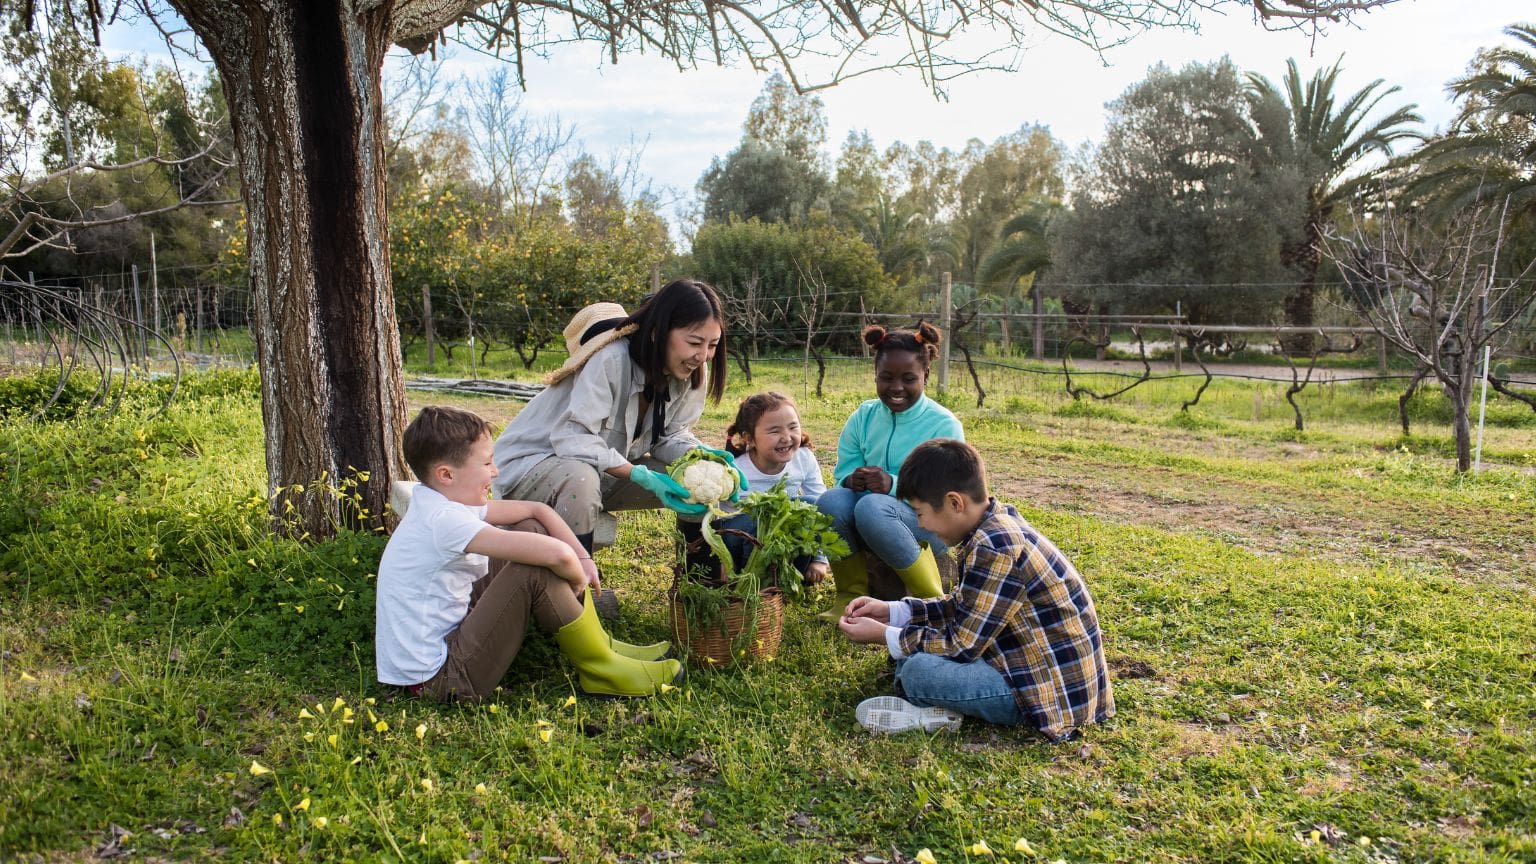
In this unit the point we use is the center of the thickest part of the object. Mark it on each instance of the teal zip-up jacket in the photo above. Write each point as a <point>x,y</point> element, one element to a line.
<point>876,435</point>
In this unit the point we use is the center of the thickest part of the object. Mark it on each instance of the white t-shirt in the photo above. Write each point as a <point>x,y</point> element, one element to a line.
<point>425,578</point>
<point>803,474</point>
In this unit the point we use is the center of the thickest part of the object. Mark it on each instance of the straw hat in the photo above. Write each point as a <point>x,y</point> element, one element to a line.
<point>590,330</point>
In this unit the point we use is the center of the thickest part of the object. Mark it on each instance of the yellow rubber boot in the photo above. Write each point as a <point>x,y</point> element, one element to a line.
<point>852,579</point>
<point>922,576</point>
<point>653,651</point>
<point>601,670</point>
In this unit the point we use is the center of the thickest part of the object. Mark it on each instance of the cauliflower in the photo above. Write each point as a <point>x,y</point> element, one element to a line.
<point>708,482</point>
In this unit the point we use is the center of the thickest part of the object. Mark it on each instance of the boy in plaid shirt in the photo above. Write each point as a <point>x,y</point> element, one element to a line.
<point>1016,642</point>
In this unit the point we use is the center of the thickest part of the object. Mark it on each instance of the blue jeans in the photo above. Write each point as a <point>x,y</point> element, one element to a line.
<point>879,523</point>
<point>974,689</point>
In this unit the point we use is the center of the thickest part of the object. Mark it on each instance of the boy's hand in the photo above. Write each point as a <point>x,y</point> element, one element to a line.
<point>594,579</point>
<point>864,631</point>
<point>869,607</point>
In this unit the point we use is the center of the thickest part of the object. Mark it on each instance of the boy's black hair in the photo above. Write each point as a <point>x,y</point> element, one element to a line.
<point>937,467</point>
<point>441,435</point>
<point>681,303</point>
<point>922,340</point>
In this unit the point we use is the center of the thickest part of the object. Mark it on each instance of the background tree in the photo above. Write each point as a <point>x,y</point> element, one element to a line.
<point>1015,172</point>
<point>302,80</point>
<point>1023,251</point>
<point>122,150</point>
<point>1489,155</point>
<point>1180,205</point>
<point>1309,133</point>
<point>1435,296</point>
<point>761,181</point>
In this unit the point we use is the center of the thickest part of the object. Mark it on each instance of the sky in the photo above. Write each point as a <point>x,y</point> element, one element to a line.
<point>686,118</point>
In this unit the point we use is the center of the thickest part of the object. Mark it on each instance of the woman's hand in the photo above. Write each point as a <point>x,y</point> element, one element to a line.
<point>741,477</point>
<point>667,490</point>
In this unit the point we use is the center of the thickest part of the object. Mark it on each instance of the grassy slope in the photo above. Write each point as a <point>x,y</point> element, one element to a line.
<point>1319,633</point>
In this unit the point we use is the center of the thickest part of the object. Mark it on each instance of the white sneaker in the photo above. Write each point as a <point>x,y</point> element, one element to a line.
<point>888,715</point>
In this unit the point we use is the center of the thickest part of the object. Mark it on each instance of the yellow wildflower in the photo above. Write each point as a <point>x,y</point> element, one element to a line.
<point>480,789</point>
<point>980,847</point>
<point>258,769</point>
<point>667,688</point>
<point>277,818</point>
<point>569,701</point>
<point>320,822</point>
<point>339,703</point>
<point>331,739</point>
<point>346,714</point>
<point>925,856</point>
<point>543,724</point>
<point>544,735</point>
<point>426,783</point>
<point>381,726</point>
<point>305,715</point>
<point>421,731</point>
<point>302,805</point>
<point>1022,845</point>
<point>28,678</point>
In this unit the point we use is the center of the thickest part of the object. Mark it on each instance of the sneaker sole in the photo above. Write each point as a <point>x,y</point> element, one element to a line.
<point>891,715</point>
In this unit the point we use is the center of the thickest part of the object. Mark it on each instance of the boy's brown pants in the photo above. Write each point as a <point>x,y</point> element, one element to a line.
<point>489,637</point>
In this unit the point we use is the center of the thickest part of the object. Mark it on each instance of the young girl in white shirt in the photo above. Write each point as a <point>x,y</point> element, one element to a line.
<point>767,431</point>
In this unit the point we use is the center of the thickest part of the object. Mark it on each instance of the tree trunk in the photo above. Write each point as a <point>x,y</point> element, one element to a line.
<point>302,81</point>
<point>1462,426</point>
<point>1303,257</point>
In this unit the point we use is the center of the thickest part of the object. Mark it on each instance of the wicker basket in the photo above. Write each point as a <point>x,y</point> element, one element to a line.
<point>734,638</point>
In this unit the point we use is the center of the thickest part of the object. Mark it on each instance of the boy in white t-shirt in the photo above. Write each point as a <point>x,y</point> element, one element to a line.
<point>455,592</point>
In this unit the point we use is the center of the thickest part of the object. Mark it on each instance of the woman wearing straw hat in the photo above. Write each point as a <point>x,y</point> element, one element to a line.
<point>620,409</point>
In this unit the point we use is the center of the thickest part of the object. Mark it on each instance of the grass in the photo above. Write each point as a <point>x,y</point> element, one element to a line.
<point>1322,646</point>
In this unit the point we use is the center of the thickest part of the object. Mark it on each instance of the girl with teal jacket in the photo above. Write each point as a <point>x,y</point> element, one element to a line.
<point>875,440</point>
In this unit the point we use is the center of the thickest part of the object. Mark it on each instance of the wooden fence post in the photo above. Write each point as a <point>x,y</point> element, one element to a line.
<point>946,315</point>
<point>426,323</point>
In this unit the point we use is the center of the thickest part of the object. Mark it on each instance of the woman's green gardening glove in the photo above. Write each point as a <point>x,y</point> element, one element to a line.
<point>669,491</point>
<point>731,461</point>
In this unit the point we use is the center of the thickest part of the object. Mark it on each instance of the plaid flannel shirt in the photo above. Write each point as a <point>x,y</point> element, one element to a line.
<point>1022,607</point>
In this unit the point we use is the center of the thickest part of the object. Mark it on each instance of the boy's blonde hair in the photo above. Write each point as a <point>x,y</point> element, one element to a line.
<point>441,435</point>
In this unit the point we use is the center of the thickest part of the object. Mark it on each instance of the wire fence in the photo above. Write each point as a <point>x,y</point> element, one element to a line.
<point>160,321</point>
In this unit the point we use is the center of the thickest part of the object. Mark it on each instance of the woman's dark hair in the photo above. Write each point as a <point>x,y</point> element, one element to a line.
<point>922,340</point>
<point>751,410</point>
<point>682,303</point>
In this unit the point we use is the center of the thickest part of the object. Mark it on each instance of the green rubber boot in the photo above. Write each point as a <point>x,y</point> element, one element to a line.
<point>852,579</point>
<point>603,671</point>
<point>922,577</point>
<point>653,651</point>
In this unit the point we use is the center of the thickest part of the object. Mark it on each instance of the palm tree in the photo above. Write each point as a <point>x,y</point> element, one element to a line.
<point>1305,129</point>
<point>1490,154</point>
<point>895,231</point>
<point>1022,250</point>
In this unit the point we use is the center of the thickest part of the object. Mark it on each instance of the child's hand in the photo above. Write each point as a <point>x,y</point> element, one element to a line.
<point>816,571</point>
<point>593,578</point>
<point>864,631</point>
<point>869,607</point>
<point>876,480</point>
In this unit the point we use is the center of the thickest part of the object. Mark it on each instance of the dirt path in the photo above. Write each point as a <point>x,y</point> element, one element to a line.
<point>1276,519</point>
